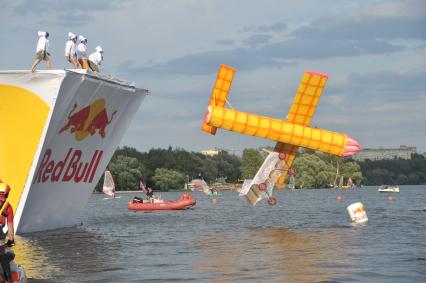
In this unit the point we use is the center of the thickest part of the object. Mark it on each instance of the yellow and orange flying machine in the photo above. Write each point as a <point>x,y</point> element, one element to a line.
<point>290,134</point>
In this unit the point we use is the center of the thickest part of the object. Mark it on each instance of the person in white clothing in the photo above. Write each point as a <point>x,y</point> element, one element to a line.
<point>95,59</point>
<point>70,50</point>
<point>41,51</point>
<point>81,52</point>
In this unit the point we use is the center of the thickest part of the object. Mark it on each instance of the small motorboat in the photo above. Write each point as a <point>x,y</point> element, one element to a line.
<point>388,189</point>
<point>186,201</point>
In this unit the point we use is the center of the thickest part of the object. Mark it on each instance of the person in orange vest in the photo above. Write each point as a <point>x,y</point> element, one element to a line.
<point>6,215</point>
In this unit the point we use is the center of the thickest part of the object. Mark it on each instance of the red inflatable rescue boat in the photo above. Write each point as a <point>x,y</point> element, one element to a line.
<point>185,202</point>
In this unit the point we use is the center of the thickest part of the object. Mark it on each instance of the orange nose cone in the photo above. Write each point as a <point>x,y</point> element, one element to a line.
<point>208,115</point>
<point>352,147</point>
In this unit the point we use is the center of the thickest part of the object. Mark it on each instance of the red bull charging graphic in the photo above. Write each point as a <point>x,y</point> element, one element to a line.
<point>88,120</point>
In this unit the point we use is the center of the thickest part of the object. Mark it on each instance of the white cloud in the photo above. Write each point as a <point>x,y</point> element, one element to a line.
<point>373,52</point>
<point>334,101</point>
<point>396,9</point>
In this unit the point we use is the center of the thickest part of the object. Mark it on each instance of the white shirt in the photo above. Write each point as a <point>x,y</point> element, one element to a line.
<point>96,57</point>
<point>81,51</point>
<point>70,48</point>
<point>42,44</point>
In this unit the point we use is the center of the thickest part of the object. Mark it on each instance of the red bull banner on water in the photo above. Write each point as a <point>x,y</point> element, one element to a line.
<point>68,127</point>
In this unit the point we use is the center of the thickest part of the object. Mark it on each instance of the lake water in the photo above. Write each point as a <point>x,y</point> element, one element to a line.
<point>306,237</point>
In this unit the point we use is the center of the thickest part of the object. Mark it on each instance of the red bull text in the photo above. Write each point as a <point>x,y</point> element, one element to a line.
<point>70,169</point>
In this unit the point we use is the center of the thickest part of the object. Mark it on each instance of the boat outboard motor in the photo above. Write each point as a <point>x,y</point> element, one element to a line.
<point>137,200</point>
<point>17,273</point>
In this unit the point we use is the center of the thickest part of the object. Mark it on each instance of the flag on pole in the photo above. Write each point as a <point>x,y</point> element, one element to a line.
<point>142,187</point>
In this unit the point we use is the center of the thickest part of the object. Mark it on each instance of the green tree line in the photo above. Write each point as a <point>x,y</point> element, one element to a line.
<point>396,171</point>
<point>313,170</point>
<point>169,169</point>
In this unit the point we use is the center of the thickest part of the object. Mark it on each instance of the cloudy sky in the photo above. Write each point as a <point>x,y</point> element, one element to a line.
<point>373,51</point>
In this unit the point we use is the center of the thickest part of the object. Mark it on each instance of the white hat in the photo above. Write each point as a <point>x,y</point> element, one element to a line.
<point>71,35</point>
<point>41,33</point>
<point>82,38</point>
<point>98,48</point>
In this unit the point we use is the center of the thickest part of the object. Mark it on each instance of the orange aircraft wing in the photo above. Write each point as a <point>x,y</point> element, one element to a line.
<point>301,112</point>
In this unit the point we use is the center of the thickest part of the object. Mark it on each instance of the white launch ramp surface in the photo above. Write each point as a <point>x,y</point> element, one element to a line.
<point>59,129</point>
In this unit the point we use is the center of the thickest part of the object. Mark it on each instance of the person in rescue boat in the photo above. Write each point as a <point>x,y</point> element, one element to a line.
<point>41,51</point>
<point>6,215</point>
<point>81,52</point>
<point>185,196</point>
<point>95,59</point>
<point>150,193</point>
<point>137,200</point>
<point>70,50</point>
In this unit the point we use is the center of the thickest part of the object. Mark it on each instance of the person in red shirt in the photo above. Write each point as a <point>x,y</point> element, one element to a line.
<point>6,216</point>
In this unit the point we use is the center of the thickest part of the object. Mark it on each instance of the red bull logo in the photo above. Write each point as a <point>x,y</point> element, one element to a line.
<point>70,168</point>
<point>88,120</point>
<point>359,210</point>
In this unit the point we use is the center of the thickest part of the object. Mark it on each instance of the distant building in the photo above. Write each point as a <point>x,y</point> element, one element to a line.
<point>210,152</point>
<point>214,152</point>
<point>403,152</point>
